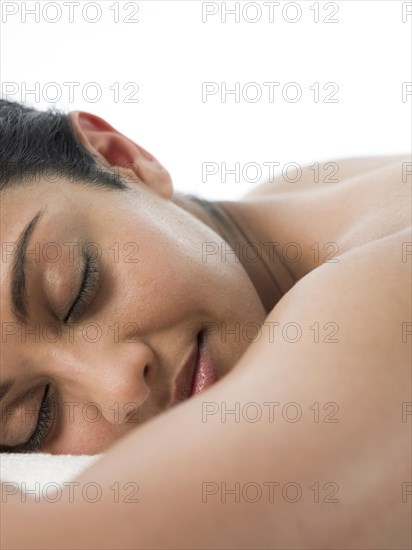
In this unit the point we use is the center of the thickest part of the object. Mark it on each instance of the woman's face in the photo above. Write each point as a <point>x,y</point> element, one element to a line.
<point>114,364</point>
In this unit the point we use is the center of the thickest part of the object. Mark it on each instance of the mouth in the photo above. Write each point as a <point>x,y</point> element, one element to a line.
<point>205,372</point>
<point>198,372</point>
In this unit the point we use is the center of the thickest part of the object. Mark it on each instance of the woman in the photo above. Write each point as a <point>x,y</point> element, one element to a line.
<point>271,333</point>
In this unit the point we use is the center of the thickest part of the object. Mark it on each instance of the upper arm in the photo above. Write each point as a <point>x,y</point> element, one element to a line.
<point>340,363</point>
<point>330,426</point>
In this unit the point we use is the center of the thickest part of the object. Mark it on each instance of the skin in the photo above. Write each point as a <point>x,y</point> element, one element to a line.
<point>158,305</point>
<point>366,294</point>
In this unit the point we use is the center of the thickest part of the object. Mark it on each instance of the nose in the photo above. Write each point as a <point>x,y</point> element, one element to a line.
<point>114,381</point>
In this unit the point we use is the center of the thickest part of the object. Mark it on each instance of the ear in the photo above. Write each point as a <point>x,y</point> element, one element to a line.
<point>114,149</point>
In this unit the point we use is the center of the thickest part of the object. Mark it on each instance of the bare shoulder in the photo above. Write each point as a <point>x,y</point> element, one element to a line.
<point>377,271</point>
<point>340,360</point>
<point>293,178</point>
<point>365,293</point>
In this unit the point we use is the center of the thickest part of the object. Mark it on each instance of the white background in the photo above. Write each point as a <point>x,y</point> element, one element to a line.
<point>175,47</point>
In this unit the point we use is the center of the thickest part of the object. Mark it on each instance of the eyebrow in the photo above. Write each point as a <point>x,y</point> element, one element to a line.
<point>18,285</point>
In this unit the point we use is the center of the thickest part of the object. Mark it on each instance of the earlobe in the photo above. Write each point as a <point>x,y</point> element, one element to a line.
<point>115,149</point>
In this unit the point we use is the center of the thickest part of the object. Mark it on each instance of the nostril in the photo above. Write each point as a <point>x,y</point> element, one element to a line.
<point>145,371</point>
<point>201,337</point>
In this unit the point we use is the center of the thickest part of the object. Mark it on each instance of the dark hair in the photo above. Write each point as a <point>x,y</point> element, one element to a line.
<point>39,143</point>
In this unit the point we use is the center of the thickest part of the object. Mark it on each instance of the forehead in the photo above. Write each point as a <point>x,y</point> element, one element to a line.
<point>19,206</point>
<point>60,198</point>
<point>70,210</point>
<point>34,194</point>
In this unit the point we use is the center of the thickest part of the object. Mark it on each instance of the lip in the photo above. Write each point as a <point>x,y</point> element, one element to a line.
<point>184,379</point>
<point>205,373</point>
<point>197,373</point>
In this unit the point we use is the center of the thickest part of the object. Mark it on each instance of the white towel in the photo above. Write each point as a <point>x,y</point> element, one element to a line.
<point>31,473</point>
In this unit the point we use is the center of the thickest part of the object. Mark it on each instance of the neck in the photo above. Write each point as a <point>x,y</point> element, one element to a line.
<point>265,268</point>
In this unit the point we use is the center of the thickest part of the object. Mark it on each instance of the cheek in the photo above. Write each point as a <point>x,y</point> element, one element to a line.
<point>164,275</point>
<point>174,279</point>
<point>82,430</point>
<point>168,283</point>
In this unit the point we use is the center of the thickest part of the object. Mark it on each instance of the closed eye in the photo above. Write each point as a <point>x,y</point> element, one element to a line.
<point>43,429</point>
<point>90,281</point>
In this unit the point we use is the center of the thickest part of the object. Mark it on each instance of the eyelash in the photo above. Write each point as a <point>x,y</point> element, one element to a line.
<point>44,424</point>
<point>89,284</point>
